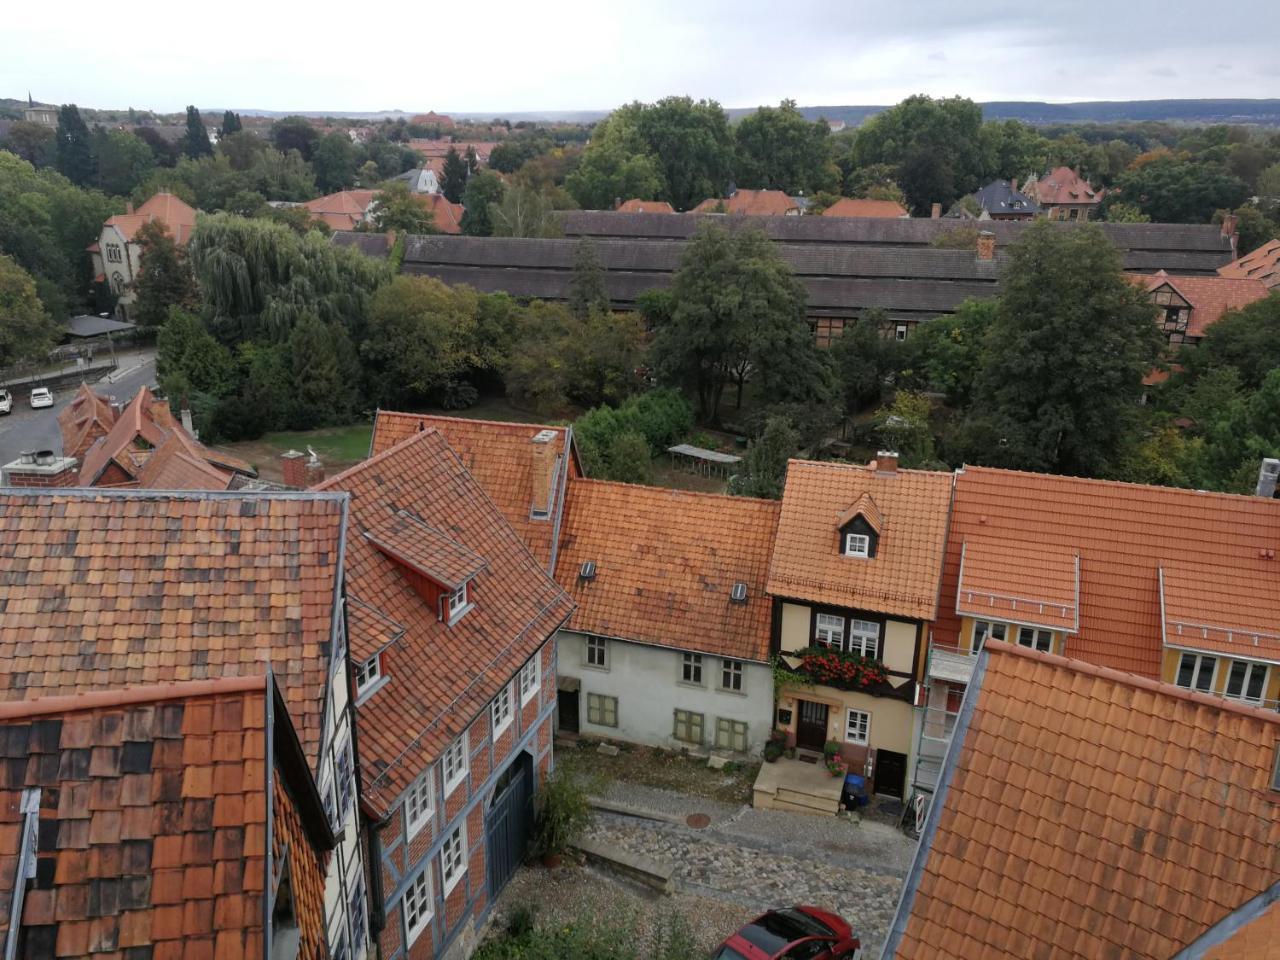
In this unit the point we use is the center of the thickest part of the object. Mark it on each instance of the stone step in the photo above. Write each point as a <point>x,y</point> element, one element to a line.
<point>829,811</point>
<point>654,874</point>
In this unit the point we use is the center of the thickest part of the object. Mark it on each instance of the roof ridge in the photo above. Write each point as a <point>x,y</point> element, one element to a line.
<point>139,493</point>
<point>1233,497</point>
<point>673,491</point>
<point>126,696</point>
<point>492,423</point>
<point>325,484</point>
<point>867,468</point>
<point>1132,680</point>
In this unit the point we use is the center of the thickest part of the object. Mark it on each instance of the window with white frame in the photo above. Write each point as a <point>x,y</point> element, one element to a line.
<point>688,726</point>
<point>1246,681</point>
<point>528,680</point>
<point>828,630</point>
<point>356,907</point>
<point>602,710</point>
<point>857,545</point>
<point>346,778</point>
<point>731,735</point>
<point>857,728</point>
<point>864,638</point>
<point>900,332</point>
<point>418,904</point>
<point>731,675</point>
<point>453,764</point>
<point>368,673</point>
<point>1196,670</point>
<point>459,602</point>
<point>500,711</point>
<point>598,653</point>
<point>691,668</point>
<point>983,629</point>
<point>420,802</point>
<point>1041,640</point>
<point>453,858</point>
<point>329,797</point>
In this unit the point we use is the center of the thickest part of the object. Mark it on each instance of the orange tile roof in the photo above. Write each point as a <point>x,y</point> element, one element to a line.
<point>903,577</point>
<point>499,455</point>
<point>171,467</point>
<point>424,549</point>
<point>850,207</point>
<point>666,561</point>
<point>177,216</point>
<point>446,217</point>
<point>153,820</point>
<point>1039,586</point>
<point>751,203</point>
<point>103,590</point>
<point>1064,185</point>
<point>343,210</point>
<point>87,417</point>
<point>368,630</point>
<point>1219,608</point>
<point>1123,533</point>
<point>443,675</point>
<point>1085,812</point>
<point>1262,264</point>
<point>1210,297</point>
<point>1256,940</point>
<point>645,206</point>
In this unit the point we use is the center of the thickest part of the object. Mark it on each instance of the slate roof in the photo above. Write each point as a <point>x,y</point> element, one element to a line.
<point>751,203</point>
<point>88,325</point>
<point>666,562</point>
<point>499,456</point>
<point>1210,297</point>
<point>1261,264</point>
<point>102,590</point>
<point>999,198</point>
<point>154,808</point>
<point>851,207</point>
<point>902,579</point>
<point>443,675</point>
<point>1123,533</point>
<point>1085,812</point>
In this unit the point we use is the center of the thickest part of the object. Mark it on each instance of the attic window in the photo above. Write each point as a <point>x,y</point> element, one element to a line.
<point>588,571</point>
<point>857,545</point>
<point>368,676</point>
<point>459,602</point>
<point>739,592</point>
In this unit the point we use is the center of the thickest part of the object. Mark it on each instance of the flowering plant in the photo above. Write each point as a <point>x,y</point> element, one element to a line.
<point>845,671</point>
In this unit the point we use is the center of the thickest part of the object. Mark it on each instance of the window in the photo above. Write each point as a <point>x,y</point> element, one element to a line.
<point>900,332</point>
<point>329,797</point>
<point>602,710</point>
<point>356,912</point>
<point>420,802</point>
<point>454,764</point>
<point>864,638</point>
<point>691,668</point>
<point>688,727</point>
<point>731,735</point>
<point>500,711</point>
<point>857,545</point>
<point>417,903</point>
<point>1196,670</point>
<point>1247,681</point>
<point>985,628</point>
<point>1041,640</point>
<point>113,253</point>
<point>829,630</point>
<point>346,778</point>
<point>458,602</point>
<point>731,675</point>
<point>857,728</point>
<point>368,674</point>
<point>598,653</point>
<point>528,680</point>
<point>453,858</point>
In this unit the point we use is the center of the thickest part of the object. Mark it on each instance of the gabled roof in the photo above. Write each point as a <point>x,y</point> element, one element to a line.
<point>444,675</point>
<point>864,507</point>
<point>446,217</point>
<point>999,197</point>
<point>1085,812</point>
<point>134,432</point>
<point>1262,264</point>
<point>154,806</point>
<point>424,549</point>
<point>499,455</point>
<point>666,563</point>
<point>177,216</point>
<point>368,630</point>
<point>87,417</point>
<point>1123,534</point>
<point>102,590</point>
<point>1209,297</point>
<point>903,577</point>
<point>1017,583</point>
<point>751,203</point>
<point>342,210</point>
<point>171,467</point>
<point>645,206</point>
<point>376,245</point>
<point>1063,185</point>
<point>850,207</point>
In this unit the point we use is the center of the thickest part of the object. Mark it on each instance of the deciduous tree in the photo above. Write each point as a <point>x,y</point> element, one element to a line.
<point>26,331</point>
<point>401,210</point>
<point>484,191</point>
<point>334,162</point>
<point>778,149</point>
<point>165,280</point>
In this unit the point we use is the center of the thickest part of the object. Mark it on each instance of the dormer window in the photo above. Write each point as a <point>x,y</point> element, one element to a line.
<point>369,676</point>
<point>857,545</point>
<point>860,527</point>
<point>459,602</point>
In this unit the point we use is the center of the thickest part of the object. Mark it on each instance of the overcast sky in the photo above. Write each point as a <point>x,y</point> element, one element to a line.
<point>504,56</point>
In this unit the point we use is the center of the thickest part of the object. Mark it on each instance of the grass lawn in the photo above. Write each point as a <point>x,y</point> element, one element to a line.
<point>338,448</point>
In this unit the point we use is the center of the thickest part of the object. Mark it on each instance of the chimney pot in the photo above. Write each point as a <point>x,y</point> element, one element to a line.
<point>886,461</point>
<point>935,212</point>
<point>27,456</point>
<point>986,245</point>
<point>44,457</point>
<point>1230,223</point>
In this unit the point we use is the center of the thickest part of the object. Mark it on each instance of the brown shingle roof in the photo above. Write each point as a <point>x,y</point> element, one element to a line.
<point>104,590</point>
<point>1085,812</point>
<point>903,577</point>
<point>442,675</point>
<point>666,561</point>
<point>849,207</point>
<point>153,820</point>
<point>1263,264</point>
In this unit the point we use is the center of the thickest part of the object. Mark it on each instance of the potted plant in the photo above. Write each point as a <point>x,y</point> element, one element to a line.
<point>563,813</point>
<point>837,766</point>
<point>830,749</point>
<point>774,747</point>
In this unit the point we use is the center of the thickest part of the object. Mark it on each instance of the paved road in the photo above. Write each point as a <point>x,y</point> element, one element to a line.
<point>27,429</point>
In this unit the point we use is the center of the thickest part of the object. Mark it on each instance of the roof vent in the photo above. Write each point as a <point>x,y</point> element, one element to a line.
<point>739,592</point>
<point>588,571</point>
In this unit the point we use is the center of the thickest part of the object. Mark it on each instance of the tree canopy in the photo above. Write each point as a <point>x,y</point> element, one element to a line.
<point>778,149</point>
<point>196,143</point>
<point>27,331</point>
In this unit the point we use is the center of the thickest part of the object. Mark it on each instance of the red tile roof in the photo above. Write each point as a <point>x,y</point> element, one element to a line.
<point>446,217</point>
<point>1218,608</point>
<point>901,579</point>
<point>153,816</point>
<point>499,455</point>
<point>1086,812</point>
<point>105,590</point>
<point>87,417</point>
<point>1210,297</point>
<point>179,218</point>
<point>645,206</point>
<point>343,210</point>
<point>170,467</point>
<point>751,203</point>
<point>1123,533</point>
<point>666,561</point>
<point>433,553</point>
<point>1039,586</point>
<point>443,675</point>
<point>1262,264</point>
<point>1064,185</point>
<point>1258,939</point>
<point>849,207</point>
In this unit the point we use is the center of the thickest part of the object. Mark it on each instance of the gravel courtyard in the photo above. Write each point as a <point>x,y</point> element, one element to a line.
<point>743,862</point>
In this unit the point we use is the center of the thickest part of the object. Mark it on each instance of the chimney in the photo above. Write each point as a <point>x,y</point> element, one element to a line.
<point>1230,223</point>
<point>886,462</point>
<point>1267,477</point>
<point>935,212</point>
<point>314,469</point>
<point>128,207</point>
<point>1013,184</point>
<point>294,469</point>
<point>185,414</point>
<point>986,245</point>
<point>617,202</point>
<point>41,469</point>
<point>543,472</point>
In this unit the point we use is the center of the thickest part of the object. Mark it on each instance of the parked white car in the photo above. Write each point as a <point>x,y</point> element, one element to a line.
<point>6,401</point>
<point>41,397</point>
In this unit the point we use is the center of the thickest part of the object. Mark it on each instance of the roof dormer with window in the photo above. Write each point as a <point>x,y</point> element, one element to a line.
<point>439,568</point>
<point>860,527</point>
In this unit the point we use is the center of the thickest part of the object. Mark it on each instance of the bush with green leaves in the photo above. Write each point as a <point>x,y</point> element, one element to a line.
<point>563,813</point>
<point>660,417</point>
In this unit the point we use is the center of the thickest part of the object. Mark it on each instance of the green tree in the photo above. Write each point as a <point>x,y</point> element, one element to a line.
<point>27,332</point>
<point>33,142</point>
<point>164,153</point>
<point>627,459</point>
<point>950,350</point>
<point>587,292</point>
<point>609,173</point>
<point>242,148</point>
<point>1120,212</point>
<point>124,161</point>
<point>764,468</point>
<point>903,427</point>
<point>294,133</point>
<point>196,144</point>
<point>1269,182</point>
<point>189,360</point>
<point>484,191</point>
<point>865,359</point>
<point>778,149</point>
<point>1170,190</point>
<point>525,212</point>
<point>1064,358</point>
<point>1245,340</point>
<point>282,176</point>
<point>75,146</point>
<point>334,162</point>
<point>453,179</point>
<point>401,210</point>
<point>165,278</point>
<point>230,124</point>
<point>322,394</point>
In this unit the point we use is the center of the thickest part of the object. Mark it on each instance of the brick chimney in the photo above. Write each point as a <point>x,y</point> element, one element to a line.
<point>42,469</point>
<point>294,469</point>
<point>314,470</point>
<point>1230,224</point>
<point>986,245</point>
<point>128,207</point>
<point>935,212</point>
<point>542,463</point>
<point>886,462</point>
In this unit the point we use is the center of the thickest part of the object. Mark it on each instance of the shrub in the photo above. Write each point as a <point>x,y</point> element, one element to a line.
<point>563,813</point>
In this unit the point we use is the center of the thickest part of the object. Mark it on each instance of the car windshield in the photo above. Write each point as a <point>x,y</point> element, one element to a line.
<point>728,953</point>
<point>775,930</point>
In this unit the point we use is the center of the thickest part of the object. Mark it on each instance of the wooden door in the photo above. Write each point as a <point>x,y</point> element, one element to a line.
<point>811,727</point>
<point>891,773</point>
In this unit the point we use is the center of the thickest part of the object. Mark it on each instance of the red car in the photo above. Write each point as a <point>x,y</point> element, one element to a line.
<point>794,933</point>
